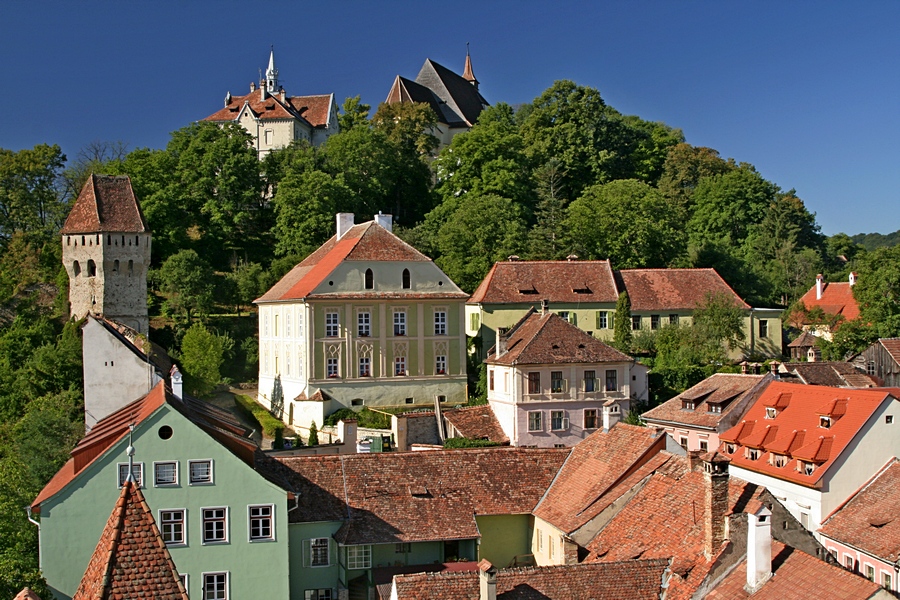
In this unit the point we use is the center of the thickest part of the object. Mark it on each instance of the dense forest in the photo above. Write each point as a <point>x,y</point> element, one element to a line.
<point>565,174</point>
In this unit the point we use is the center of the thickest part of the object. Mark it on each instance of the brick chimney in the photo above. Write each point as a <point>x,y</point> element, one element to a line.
<point>715,475</point>
<point>820,285</point>
<point>502,337</point>
<point>344,223</point>
<point>759,548</point>
<point>487,580</point>
<point>694,462</point>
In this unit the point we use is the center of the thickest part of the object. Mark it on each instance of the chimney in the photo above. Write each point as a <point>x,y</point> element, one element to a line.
<point>344,223</point>
<point>811,354</point>
<point>744,367</point>
<point>283,95</point>
<point>346,431</point>
<point>487,579</point>
<point>715,475</point>
<point>694,462</point>
<point>252,87</point>
<point>759,548</point>
<point>177,382</point>
<point>820,285</point>
<point>545,306</point>
<point>610,418</point>
<point>227,98</point>
<point>502,337</point>
<point>852,278</point>
<point>262,91</point>
<point>386,221</point>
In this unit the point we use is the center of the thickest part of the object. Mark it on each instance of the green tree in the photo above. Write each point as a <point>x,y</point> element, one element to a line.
<point>305,205</point>
<point>188,282</point>
<point>202,354</point>
<point>250,281</point>
<point>549,239</point>
<point>29,199</point>
<point>46,433</point>
<point>721,319</point>
<point>877,291</point>
<point>626,221</point>
<point>622,323</point>
<point>354,113</point>
<point>652,143</point>
<point>685,166</point>
<point>410,125</point>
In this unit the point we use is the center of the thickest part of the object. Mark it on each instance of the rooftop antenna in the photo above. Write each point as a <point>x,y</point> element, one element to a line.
<point>130,452</point>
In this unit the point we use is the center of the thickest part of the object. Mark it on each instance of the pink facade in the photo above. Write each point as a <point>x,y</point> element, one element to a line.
<point>880,571</point>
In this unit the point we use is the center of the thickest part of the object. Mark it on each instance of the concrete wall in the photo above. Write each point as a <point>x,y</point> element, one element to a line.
<point>503,537</point>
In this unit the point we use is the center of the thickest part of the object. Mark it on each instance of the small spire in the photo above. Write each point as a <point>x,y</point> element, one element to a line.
<point>130,452</point>
<point>272,72</point>
<point>468,74</point>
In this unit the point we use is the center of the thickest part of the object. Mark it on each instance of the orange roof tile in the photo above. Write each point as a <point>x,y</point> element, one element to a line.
<point>105,203</point>
<point>834,374</point>
<point>723,391</point>
<point>477,423</point>
<point>130,560</point>
<point>529,282</point>
<point>315,109</point>
<point>798,412</point>
<point>27,594</point>
<point>837,299</point>
<point>674,289</point>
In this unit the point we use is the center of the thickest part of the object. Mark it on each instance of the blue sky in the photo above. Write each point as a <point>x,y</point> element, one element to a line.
<point>808,92</point>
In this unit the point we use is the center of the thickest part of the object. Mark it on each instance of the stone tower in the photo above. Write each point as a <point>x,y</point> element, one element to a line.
<point>106,252</point>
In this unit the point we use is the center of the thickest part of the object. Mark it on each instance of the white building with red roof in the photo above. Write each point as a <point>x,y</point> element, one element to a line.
<point>834,300</point>
<point>814,446</point>
<point>365,320</point>
<point>274,119</point>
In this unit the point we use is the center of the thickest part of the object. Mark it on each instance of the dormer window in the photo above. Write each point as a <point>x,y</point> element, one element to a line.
<point>714,408</point>
<point>824,422</point>
<point>771,412</point>
<point>806,468</point>
<point>779,460</point>
<point>687,405</point>
<point>753,453</point>
<point>730,448</point>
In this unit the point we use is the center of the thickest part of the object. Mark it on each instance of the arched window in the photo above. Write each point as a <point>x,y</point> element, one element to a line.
<point>370,280</point>
<point>406,285</point>
<point>92,269</point>
<point>76,268</point>
<point>109,240</point>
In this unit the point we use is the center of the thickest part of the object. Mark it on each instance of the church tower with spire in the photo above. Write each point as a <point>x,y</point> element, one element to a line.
<point>271,83</point>
<point>468,74</point>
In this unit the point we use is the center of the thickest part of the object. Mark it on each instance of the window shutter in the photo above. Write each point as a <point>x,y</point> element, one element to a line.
<point>572,319</point>
<point>306,552</point>
<point>598,319</point>
<point>609,320</point>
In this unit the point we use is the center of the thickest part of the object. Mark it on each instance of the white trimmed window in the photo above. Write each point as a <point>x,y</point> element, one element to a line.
<point>440,365</point>
<point>262,522</point>
<point>171,526</point>
<point>400,365</point>
<point>200,472</point>
<point>365,366</point>
<point>602,319</point>
<point>332,324</point>
<point>215,525</point>
<point>363,323</point>
<point>590,418</point>
<point>535,421</point>
<point>137,472</point>
<point>440,322</point>
<point>321,594</point>
<point>590,381</point>
<point>165,473</point>
<point>359,557</point>
<point>612,384</point>
<point>215,586</point>
<point>400,322</point>
<point>331,367</point>
<point>317,552</point>
<point>558,420</point>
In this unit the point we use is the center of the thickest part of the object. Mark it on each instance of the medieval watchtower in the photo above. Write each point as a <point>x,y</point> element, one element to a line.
<point>106,252</point>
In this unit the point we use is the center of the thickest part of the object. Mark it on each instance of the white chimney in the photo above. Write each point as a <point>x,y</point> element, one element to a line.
<point>386,221</point>
<point>344,223</point>
<point>610,418</point>
<point>177,382</point>
<point>759,548</point>
<point>819,286</point>
<point>487,579</point>
<point>852,278</point>
<point>346,431</point>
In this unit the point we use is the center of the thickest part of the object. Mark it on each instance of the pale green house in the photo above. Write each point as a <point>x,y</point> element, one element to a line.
<point>365,320</point>
<point>224,524</point>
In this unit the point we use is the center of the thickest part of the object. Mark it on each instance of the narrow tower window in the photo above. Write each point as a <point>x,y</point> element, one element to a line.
<point>92,269</point>
<point>130,268</point>
<point>76,268</point>
<point>115,266</point>
<point>370,279</point>
<point>406,285</point>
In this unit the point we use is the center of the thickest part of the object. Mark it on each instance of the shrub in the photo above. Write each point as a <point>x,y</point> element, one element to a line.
<point>461,442</point>
<point>257,413</point>
<point>313,435</point>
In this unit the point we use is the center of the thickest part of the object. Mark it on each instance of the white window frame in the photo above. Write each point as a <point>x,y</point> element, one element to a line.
<point>204,520</point>
<point>332,367</point>
<point>212,479</point>
<point>440,364</point>
<point>596,418</point>
<point>558,415</point>
<point>400,367</point>
<point>440,321</point>
<point>163,522</point>
<point>365,366</point>
<point>270,518</point>
<point>602,319</point>
<point>156,465</point>
<point>540,420</point>
<point>309,548</point>
<point>359,557</point>
<point>137,470</point>
<point>226,591</point>
<point>185,579</point>
<point>400,323</point>
<point>332,324</point>
<point>364,323</point>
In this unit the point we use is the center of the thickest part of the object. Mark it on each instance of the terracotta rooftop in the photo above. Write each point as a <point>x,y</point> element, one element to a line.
<point>804,340</point>
<point>599,469</point>
<point>364,242</point>
<point>673,289</point>
<point>477,423</point>
<point>529,282</point>
<point>540,339</point>
<point>314,110</point>
<point>796,576</point>
<point>419,496</point>
<point>870,519</point>
<point>837,299</point>
<point>27,594</point>
<point>106,204</point>
<point>795,430</point>
<point>131,559</point>
<point>832,374</point>
<point>713,399</point>
<point>626,580</point>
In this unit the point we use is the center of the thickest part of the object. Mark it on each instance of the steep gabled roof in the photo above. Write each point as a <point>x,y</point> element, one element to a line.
<point>798,408</point>
<point>273,108</point>
<point>892,346</point>
<point>477,423</point>
<point>419,496</point>
<point>833,374</point>
<point>364,242</point>
<point>529,282</point>
<point>837,299</point>
<point>713,399</point>
<point>316,110</point>
<point>674,289</point>
<point>541,339</point>
<point>804,340</point>
<point>106,204</point>
<point>462,102</point>
<point>407,90</point>
<point>131,560</point>
<point>870,519</point>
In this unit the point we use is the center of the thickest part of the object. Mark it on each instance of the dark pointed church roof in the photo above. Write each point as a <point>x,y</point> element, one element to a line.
<point>106,203</point>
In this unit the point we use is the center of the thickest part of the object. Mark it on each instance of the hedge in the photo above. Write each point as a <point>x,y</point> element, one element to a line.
<point>256,412</point>
<point>461,442</point>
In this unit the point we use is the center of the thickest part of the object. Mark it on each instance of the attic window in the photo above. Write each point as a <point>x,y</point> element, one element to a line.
<point>714,408</point>
<point>583,290</point>
<point>779,460</point>
<point>529,291</point>
<point>753,453</point>
<point>806,468</point>
<point>687,405</point>
<point>730,448</point>
<point>418,491</point>
<point>825,422</point>
<point>771,412</point>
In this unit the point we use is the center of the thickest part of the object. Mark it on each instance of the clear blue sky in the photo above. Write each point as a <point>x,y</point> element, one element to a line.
<point>808,92</point>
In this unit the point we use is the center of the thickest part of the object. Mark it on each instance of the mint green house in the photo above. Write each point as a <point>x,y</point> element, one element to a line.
<point>224,524</point>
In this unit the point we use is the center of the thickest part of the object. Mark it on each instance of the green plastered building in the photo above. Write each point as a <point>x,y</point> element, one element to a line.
<point>224,524</point>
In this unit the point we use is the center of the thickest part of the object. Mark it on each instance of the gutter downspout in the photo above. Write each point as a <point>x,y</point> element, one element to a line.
<point>30,519</point>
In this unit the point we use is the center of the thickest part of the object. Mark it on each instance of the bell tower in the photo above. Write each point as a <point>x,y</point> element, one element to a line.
<point>272,74</point>
<point>106,252</point>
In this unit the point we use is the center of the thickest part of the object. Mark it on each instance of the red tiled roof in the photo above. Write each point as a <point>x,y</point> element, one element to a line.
<point>529,282</point>
<point>725,390</point>
<point>626,580</point>
<point>674,289</point>
<point>419,496</point>
<point>592,475</point>
<point>870,520</point>
<point>106,203</point>
<point>131,559</point>
<point>314,110</point>
<point>27,594</point>
<point>477,423</point>
<point>837,299</point>
<point>804,340</point>
<point>833,374</point>
<point>364,242</point>
<point>798,410</point>
<point>540,339</point>
<point>796,576</point>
